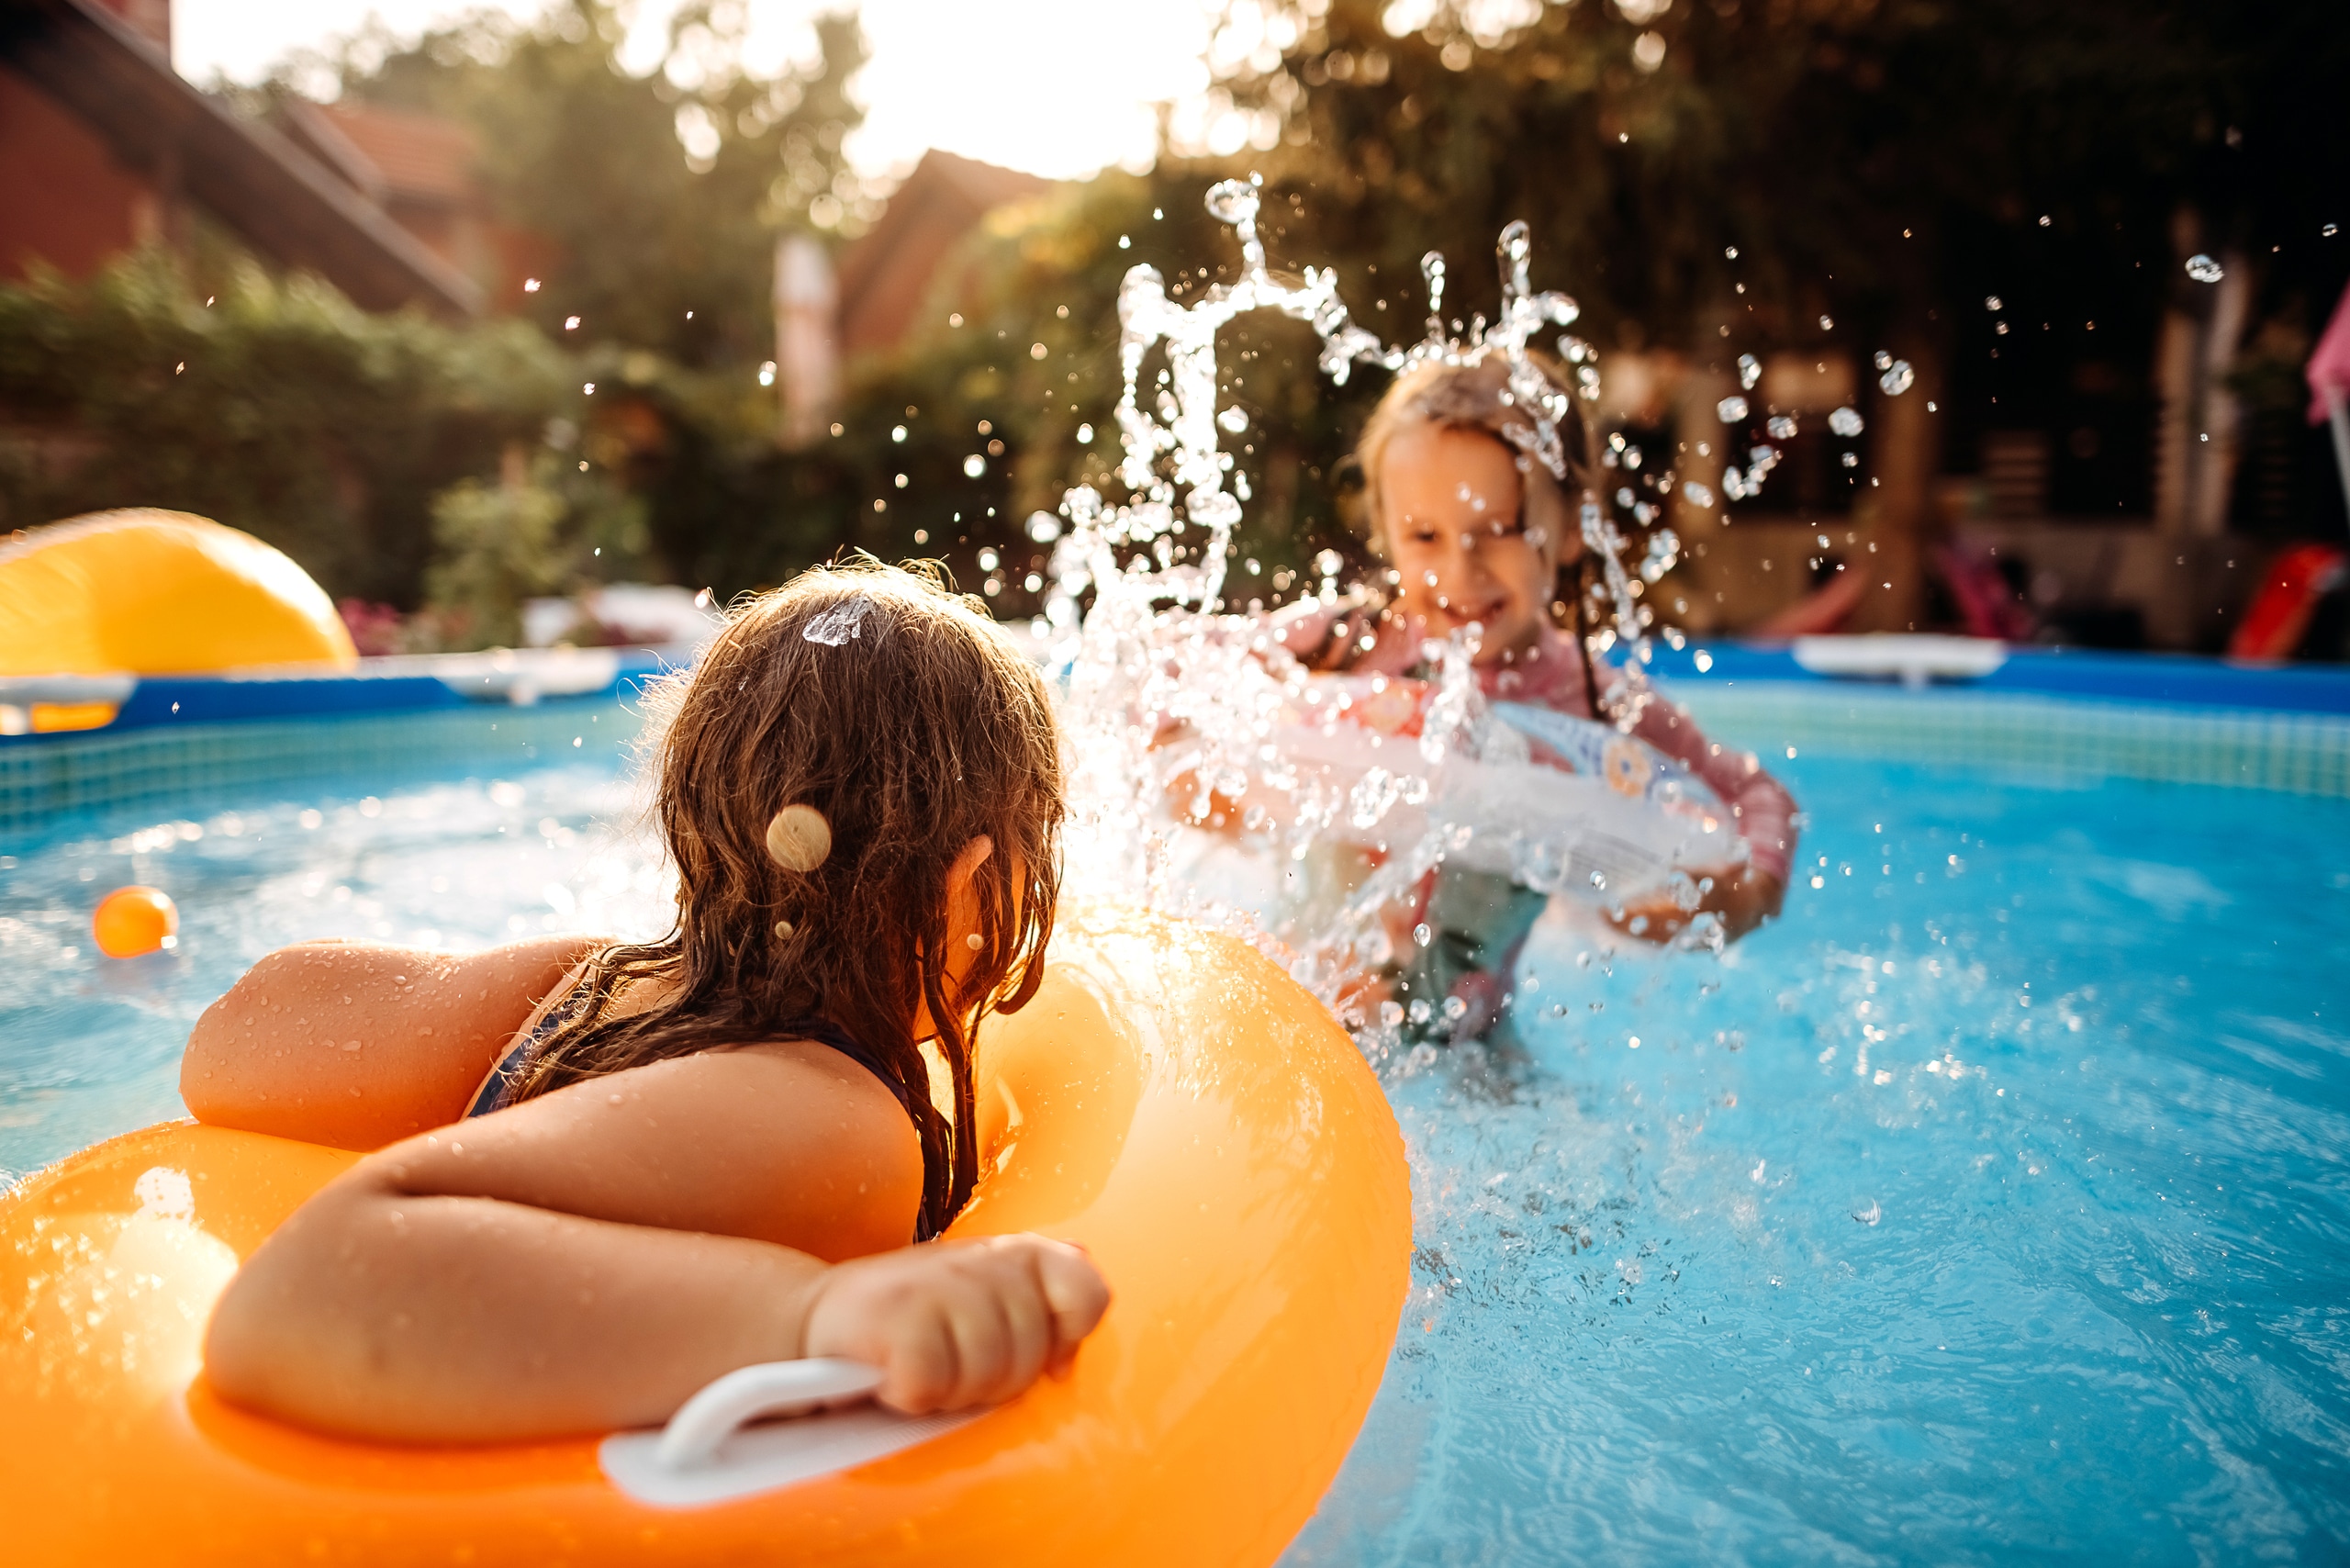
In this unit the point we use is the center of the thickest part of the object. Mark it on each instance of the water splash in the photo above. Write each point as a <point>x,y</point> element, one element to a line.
<point>1177,711</point>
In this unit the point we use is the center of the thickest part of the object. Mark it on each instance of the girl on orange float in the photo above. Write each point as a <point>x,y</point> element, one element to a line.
<point>606,1172</point>
<point>1481,540</point>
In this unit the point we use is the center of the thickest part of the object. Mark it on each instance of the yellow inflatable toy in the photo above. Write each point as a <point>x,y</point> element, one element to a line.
<point>148,592</point>
<point>1170,1099</point>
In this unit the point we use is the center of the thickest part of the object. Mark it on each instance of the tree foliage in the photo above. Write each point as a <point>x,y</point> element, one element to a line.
<point>1715,177</point>
<point>658,195</point>
<point>275,406</point>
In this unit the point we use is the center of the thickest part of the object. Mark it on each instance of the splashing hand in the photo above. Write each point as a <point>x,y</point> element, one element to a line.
<point>1740,898</point>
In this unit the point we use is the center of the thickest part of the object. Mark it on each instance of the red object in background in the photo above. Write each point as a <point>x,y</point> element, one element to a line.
<point>2329,366</point>
<point>2280,616</point>
<point>1824,610</point>
<point>375,629</point>
<point>1990,603</point>
<point>2329,378</point>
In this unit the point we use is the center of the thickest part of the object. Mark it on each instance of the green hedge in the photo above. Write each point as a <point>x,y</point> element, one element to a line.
<point>275,406</point>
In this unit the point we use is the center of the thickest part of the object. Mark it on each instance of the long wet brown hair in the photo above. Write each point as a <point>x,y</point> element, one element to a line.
<point>1476,396</point>
<point>910,720</point>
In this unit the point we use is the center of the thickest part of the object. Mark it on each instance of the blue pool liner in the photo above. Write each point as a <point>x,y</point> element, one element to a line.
<point>2182,679</point>
<point>403,685</point>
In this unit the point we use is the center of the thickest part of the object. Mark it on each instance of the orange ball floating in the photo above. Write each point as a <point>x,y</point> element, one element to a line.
<point>134,921</point>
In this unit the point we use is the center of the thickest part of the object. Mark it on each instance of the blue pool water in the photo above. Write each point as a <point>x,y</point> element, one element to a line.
<point>1993,1206</point>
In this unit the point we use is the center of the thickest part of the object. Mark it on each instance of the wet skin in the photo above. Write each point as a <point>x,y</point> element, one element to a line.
<point>587,1258</point>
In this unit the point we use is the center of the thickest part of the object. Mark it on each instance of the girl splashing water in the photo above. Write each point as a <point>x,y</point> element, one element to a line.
<point>605,1173</point>
<point>1484,544</point>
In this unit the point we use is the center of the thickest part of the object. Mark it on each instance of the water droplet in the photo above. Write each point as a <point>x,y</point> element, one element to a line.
<point>1782,426</point>
<point>1898,377</point>
<point>1993,302</point>
<point>840,622</point>
<point>2203,268</point>
<point>1696,494</point>
<point>1044,526</point>
<point>1232,422</point>
<point>1866,1212</point>
<point>1418,1011</point>
<point>1845,422</point>
<point>1232,201</point>
<point>974,465</point>
<point>1421,935</point>
<point>1750,371</point>
<point>1731,410</point>
<point>1827,323</point>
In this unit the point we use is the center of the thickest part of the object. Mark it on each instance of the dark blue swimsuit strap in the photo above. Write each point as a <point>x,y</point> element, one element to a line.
<point>497,1087</point>
<point>502,1078</point>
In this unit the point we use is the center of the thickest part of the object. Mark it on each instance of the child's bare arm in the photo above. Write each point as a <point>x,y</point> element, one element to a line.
<point>356,1044</point>
<point>1742,897</point>
<point>589,1258</point>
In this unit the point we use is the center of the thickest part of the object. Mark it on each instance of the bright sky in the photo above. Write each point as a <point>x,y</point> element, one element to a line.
<point>1057,87</point>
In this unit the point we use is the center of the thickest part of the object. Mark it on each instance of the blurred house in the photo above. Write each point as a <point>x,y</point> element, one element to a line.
<point>2087,470</point>
<point>104,147</point>
<point>422,171</point>
<point>889,272</point>
<point>829,312</point>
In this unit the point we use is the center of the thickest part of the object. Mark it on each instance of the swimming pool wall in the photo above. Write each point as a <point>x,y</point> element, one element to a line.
<point>2047,740</point>
<point>2041,717</point>
<point>202,765</point>
<point>193,739</point>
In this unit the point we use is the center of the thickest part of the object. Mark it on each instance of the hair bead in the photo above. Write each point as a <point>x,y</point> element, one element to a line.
<point>799,838</point>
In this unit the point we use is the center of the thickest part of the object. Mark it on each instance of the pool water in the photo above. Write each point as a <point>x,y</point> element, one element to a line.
<point>90,1048</point>
<point>1993,1206</point>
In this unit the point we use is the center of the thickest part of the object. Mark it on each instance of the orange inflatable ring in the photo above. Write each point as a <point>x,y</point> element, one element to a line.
<point>1170,1099</point>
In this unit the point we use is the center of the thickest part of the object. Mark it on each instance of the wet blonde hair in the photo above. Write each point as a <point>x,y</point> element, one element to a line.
<point>1476,396</point>
<point>908,720</point>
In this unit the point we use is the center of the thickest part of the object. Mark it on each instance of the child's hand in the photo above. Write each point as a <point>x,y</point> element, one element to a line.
<point>1743,899</point>
<point>956,1324</point>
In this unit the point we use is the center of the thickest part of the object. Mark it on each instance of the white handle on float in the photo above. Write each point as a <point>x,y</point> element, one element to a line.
<point>694,1434</point>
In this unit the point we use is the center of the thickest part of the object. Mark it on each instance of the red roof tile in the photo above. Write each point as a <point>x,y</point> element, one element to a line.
<point>422,157</point>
